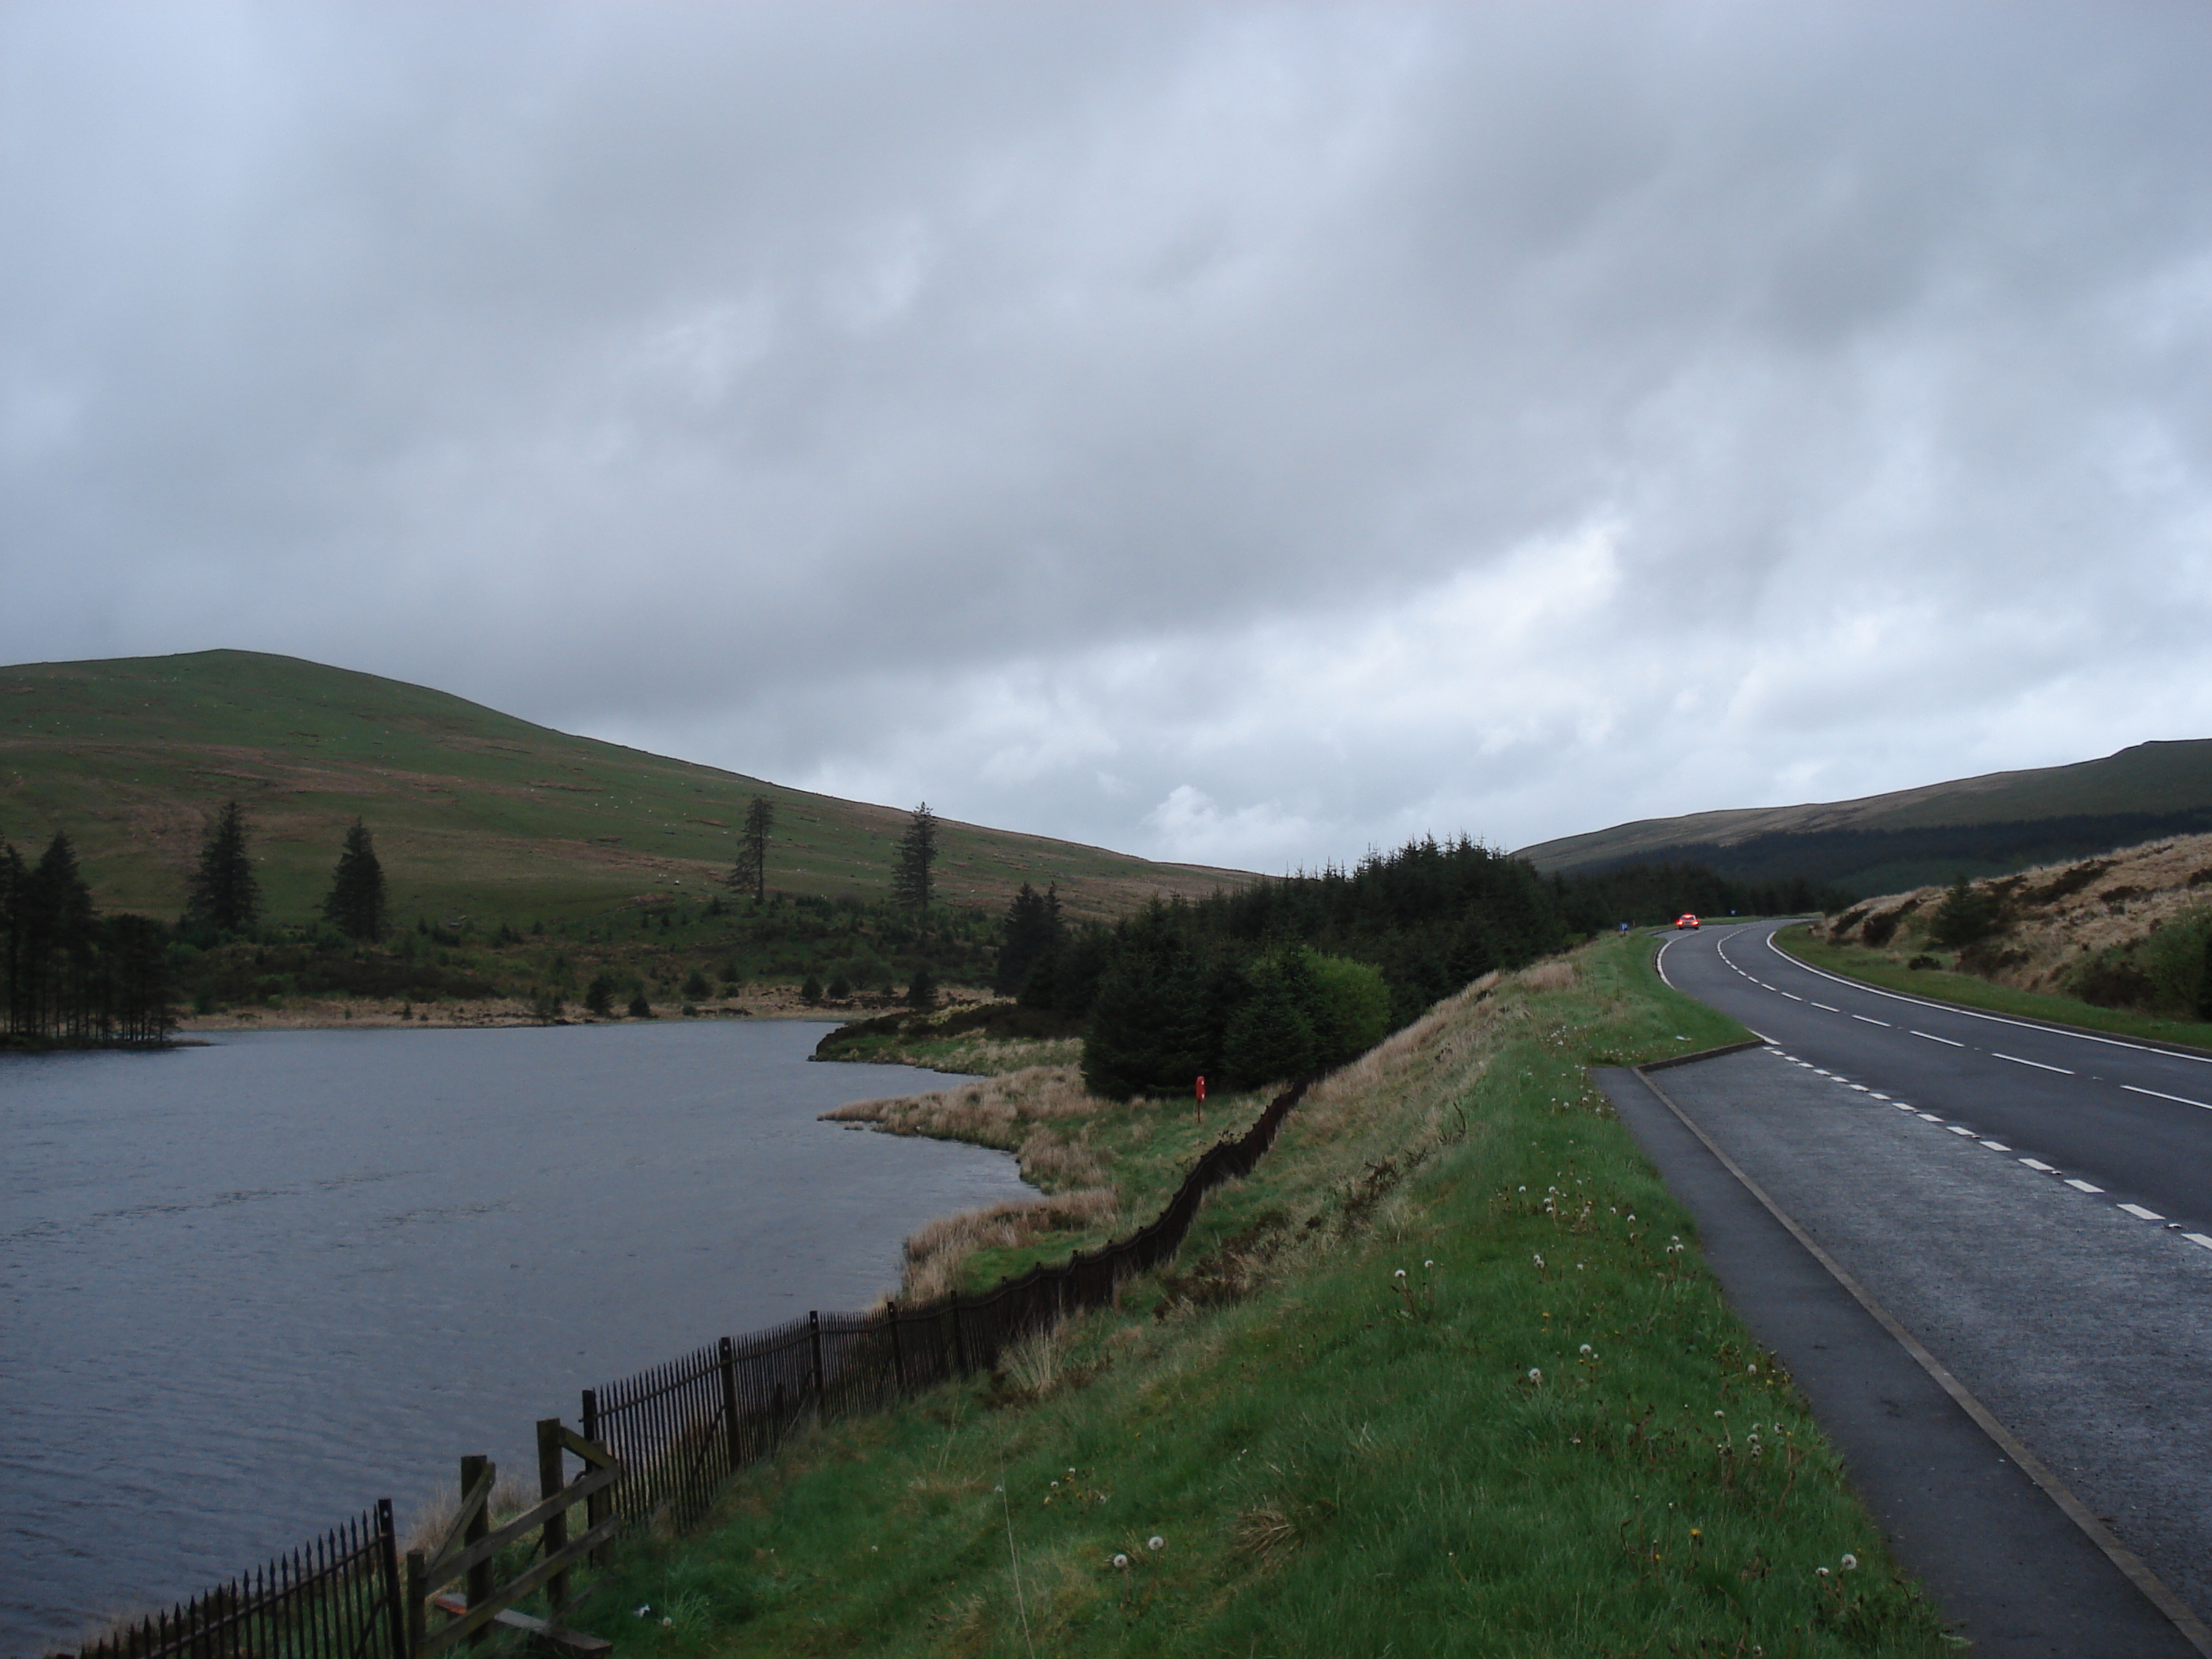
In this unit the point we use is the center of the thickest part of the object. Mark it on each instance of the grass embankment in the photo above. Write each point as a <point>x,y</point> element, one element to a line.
<point>988,1040</point>
<point>1944,983</point>
<point>1438,1379</point>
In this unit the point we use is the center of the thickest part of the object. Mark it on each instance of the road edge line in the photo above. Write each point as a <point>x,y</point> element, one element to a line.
<point>2138,1573</point>
<point>2029,1022</point>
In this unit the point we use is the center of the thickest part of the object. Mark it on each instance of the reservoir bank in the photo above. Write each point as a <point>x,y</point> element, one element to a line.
<point>248,1288</point>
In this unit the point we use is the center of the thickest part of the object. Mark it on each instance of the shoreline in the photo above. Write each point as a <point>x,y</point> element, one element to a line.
<point>358,1014</point>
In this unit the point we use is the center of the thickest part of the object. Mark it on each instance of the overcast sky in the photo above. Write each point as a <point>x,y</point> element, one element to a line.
<point>1245,435</point>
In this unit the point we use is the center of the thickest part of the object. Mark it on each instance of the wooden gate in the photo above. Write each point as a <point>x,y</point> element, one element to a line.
<point>470,1545</point>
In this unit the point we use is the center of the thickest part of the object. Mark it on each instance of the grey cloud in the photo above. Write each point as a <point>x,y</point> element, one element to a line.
<point>983,402</point>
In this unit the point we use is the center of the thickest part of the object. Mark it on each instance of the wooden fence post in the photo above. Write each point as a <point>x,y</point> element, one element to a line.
<point>959,1342</point>
<point>730,1402</point>
<point>418,1621</point>
<point>600,1504</point>
<point>898,1358</point>
<point>552,1476</point>
<point>476,1468</point>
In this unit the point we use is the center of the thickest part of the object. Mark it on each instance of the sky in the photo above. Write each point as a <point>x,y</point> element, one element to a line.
<point>1245,434</point>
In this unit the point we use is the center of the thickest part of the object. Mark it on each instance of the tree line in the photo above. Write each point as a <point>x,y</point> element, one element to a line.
<point>1304,972</point>
<point>69,975</point>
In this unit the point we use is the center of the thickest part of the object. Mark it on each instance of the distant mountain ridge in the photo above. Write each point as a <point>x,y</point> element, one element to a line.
<point>1980,826</point>
<point>475,813</point>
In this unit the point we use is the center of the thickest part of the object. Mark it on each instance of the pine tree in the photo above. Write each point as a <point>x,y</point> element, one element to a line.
<point>355,904</point>
<point>750,873</point>
<point>224,894</point>
<point>1033,936</point>
<point>917,852</point>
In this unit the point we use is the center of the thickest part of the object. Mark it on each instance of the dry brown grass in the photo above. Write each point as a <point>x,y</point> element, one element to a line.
<point>2138,890</point>
<point>936,1253</point>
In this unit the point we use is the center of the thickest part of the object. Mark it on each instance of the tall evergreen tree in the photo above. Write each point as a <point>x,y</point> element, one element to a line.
<point>224,893</point>
<point>911,880</point>
<point>355,905</point>
<point>1034,932</point>
<point>750,873</point>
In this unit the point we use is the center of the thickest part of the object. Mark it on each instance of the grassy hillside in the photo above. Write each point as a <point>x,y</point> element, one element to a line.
<point>1983,826</point>
<point>1440,1377</point>
<point>476,813</point>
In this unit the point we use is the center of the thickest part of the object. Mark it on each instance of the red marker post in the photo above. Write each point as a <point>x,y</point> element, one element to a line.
<point>1201,1100</point>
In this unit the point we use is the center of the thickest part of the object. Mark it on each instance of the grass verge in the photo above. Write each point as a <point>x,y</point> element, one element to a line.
<point>1940,984</point>
<point>1446,1376</point>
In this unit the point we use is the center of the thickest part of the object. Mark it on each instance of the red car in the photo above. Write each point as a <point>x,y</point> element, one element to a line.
<point>1687,920</point>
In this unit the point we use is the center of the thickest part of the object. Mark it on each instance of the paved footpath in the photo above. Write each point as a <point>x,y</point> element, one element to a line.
<point>2087,1335</point>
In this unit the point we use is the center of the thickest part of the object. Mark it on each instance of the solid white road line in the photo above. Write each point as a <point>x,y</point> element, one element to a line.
<point>2081,1186</point>
<point>2038,1064</point>
<point>2141,1213</point>
<point>2183,1100</point>
<point>1975,1013</point>
<point>1932,1037</point>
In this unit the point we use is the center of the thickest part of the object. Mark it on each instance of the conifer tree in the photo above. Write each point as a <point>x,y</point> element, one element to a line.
<point>355,905</point>
<point>917,852</point>
<point>224,894</point>
<point>750,874</point>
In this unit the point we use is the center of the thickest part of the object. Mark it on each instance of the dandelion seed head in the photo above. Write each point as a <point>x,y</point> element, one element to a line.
<point>1850,1564</point>
<point>1156,1542</point>
<point>1400,1273</point>
<point>1535,1375</point>
<point>1586,1347</point>
<point>1122,1562</point>
<point>1822,1572</point>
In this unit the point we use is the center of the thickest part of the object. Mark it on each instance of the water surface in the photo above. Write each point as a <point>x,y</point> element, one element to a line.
<point>246,1289</point>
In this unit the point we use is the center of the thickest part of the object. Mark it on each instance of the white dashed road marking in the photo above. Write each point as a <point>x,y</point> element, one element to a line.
<point>2037,1164</point>
<point>1825,1009</point>
<point>2141,1213</point>
<point>2038,1064</point>
<point>1932,1037</point>
<point>2081,1186</point>
<point>1956,1130</point>
<point>2183,1100</point>
<point>2198,1238</point>
<point>1871,1020</point>
<point>1996,1145</point>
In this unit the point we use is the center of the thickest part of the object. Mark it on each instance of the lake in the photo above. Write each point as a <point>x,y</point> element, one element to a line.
<point>247,1289</point>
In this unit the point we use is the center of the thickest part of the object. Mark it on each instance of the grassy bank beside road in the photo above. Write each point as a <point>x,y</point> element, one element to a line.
<point>1887,969</point>
<point>1445,1376</point>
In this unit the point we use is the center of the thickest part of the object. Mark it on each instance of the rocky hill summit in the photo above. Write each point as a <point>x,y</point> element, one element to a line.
<point>2128,929</point>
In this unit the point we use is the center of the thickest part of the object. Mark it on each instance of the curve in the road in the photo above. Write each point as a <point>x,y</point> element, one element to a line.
<point>2125,1121</point>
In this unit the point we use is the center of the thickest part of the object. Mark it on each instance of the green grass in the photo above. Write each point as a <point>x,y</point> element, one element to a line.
<point>1888,970</point>
<point>476,813</point>
<point>1336,1461</point>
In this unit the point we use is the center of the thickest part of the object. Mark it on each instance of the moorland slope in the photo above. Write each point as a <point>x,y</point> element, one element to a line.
<point>476,813</point>
<point>1987,825</point>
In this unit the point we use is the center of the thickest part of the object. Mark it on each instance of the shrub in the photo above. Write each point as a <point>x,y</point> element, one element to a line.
<point>600,996</point>
<point>840,988</point>
<point>1967,915</point>
<point>2176,959</point>
<point>639,1008</point>
<point>811,992</point>
<point>695,986</point>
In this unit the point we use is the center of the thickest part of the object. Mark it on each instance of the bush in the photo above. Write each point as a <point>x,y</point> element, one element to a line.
<point>811,992</point>
<point>922,991</point>
<point>840,988</point>
<point>1967,914</point>
<point>2176,959</point>
<point>695,986</point>
<point>639,1008</point>
<point>600,996</point>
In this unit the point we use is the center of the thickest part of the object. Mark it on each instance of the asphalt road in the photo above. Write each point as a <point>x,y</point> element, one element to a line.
<point>2130,1119</point>
<point>2034,1206</point>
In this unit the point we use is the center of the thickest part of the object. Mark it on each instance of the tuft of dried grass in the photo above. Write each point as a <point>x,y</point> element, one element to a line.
<point>1037,1367</point>
<point>1557,975</point>
<point>1265,1532</point>
<point>936,1253</point>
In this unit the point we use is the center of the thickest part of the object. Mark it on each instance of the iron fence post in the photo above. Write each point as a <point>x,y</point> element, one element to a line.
<point>814,1346</point>
<point>388,1569</point>
<point>729,1356</point>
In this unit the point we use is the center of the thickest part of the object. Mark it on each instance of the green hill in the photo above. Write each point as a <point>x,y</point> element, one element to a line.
<point>1987,825</point>
<point>476,813</point>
